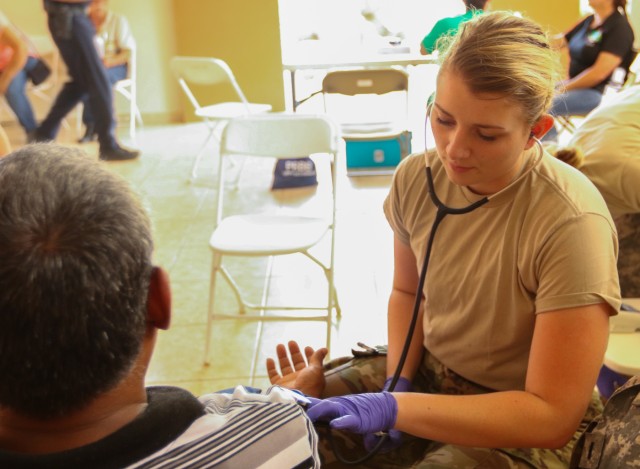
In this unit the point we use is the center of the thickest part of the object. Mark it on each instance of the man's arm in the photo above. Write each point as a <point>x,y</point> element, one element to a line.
<point>604,66</point>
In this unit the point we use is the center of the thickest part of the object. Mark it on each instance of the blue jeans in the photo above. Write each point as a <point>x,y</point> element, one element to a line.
<point>73,33</point>
<point>18,100</point>
<point>114,74</point>
<point>578,102</point>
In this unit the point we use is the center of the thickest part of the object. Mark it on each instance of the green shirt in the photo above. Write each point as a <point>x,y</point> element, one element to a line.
<point>446,27</point>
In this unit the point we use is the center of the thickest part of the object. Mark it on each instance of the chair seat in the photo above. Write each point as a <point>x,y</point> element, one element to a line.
<point>279,234</point>
<point>231,110</point>
<point>367,128</point>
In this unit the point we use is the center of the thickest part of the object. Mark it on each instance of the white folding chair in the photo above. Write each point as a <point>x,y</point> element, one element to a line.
<point>276,229</point>
<point>128,88</point>
<point>372,106</point>
<point>211,71</point>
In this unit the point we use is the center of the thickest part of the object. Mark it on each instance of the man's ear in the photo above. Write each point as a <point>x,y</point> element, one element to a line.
<point>539,129</point>
<point>159,299</point>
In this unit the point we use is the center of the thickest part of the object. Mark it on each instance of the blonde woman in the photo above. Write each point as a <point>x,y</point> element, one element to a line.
<point>513,315</point>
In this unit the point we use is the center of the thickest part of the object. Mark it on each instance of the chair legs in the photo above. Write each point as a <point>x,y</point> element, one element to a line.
<point>215,266</point>
<point>211,135</point>
<point>218,269</point>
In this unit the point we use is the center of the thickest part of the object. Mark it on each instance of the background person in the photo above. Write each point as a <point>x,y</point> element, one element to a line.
<point>80,308</point>
<point>510,297</point>
<point>15,62</point>
<point>73,33</point>
<point>449,26</point>
<point>115,44</point>
<point>597,45</point>
<point>606,147</point>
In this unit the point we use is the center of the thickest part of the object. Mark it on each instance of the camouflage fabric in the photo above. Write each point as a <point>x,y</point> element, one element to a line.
<point>628,227</point>
<point>368,373</point>
<point>613,439</point>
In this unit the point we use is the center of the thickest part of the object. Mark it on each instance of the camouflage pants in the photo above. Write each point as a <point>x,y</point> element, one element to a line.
<point>367,374</point>
<point>629,254</point>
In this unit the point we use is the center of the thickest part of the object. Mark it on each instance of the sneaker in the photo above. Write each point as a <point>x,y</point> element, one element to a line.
<point>118,154</point>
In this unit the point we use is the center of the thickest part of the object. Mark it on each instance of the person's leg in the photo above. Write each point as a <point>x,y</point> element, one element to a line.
<point>18,101</point>
<point>368,374</point>
<point>60,21</point>
<point>114,74</point>
<point>73,33</point>
<point>629,254</point>
<point>351,375</point>
<point>572,103</point>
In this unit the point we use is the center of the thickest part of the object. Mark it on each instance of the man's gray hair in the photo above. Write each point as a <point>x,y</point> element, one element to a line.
<point>75,264</point>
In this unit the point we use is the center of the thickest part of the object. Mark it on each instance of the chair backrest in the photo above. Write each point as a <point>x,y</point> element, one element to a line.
<point>278,135</point>
<point>366,100</point>
<point>365,81</point>
<point>203,71</point>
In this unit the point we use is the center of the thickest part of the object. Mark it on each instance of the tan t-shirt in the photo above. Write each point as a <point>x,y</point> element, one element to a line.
<point>610,140</point>
<point>543,244</point>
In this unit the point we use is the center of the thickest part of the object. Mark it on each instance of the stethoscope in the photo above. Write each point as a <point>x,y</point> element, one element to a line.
<point>442,211</point>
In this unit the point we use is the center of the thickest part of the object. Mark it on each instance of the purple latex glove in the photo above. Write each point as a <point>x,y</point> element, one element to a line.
<point>394,439</point>
<point>358,413</point>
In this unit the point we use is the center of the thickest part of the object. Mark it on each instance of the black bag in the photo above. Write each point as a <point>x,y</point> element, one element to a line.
<point>294,172</point>
<point>612,440</point>
<point>39,72</point>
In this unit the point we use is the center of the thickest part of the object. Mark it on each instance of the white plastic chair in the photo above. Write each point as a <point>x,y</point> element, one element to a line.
<point>128,88</point>
<point>372,106</point>
<point>211,71</point>
<point>384,115</point>
<point>274,232</point>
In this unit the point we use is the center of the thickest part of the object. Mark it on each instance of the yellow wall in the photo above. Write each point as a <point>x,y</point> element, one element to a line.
<point>243,33</point>
<point>555,15</point>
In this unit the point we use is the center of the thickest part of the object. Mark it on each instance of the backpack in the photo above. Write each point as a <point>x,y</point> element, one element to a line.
<point>612,440</point>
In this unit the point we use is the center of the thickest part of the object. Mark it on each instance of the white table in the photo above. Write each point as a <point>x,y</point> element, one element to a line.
<point>318,59</point>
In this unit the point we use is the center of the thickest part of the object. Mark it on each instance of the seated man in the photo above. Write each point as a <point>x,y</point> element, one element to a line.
<point>80,308</point>
<point>15,62</point>
<point>115,45</point>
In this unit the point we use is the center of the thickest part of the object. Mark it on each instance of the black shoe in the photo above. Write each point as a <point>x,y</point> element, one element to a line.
<point>89,136</point>
<point>118,154</point>
<point>35,137</point>
<point>31,136</point>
